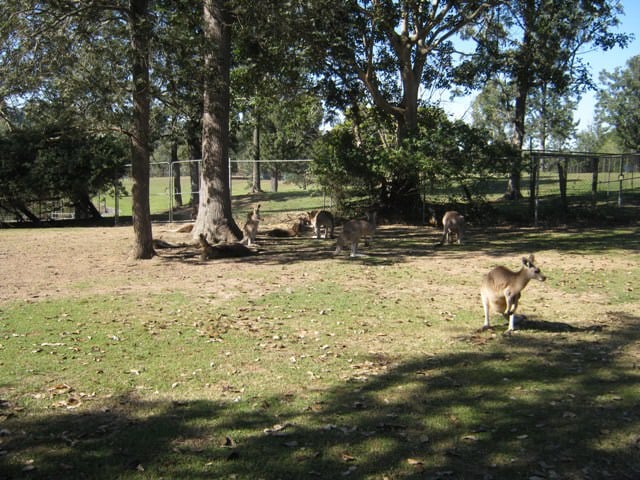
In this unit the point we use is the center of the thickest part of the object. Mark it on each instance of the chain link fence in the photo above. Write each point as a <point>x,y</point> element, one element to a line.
<point>566,181</point>
<point>554,181</point>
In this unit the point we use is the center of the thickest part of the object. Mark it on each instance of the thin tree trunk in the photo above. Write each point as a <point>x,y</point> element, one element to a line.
<point>594,180</point>
<point>215,220</point>
<point>562,179</point>
<point>255,184</point>
<point>194,143</point>
<point>176,171</point>
<point>21,211</point>
<point>140,27</point>
<point>274,178</point>
<point>513,187</point>
<point>84,207</point>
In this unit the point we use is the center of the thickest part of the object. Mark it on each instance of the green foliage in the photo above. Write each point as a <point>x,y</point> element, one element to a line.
<point>356,162</point>
<point>342,166</point>
<point>597,139</point>
<point>534,47</point>
<point>619,103</point>
<point>59,158</point>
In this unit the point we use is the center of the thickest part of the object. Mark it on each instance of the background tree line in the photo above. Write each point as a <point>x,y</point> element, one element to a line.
<point>262,78</point>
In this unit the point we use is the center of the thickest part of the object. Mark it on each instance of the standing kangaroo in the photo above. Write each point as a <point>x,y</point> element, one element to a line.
<point>322,219</point>
<point>250,229</point>
<point>353,231</point>
<point>453,224</point>
<point>501,289</point>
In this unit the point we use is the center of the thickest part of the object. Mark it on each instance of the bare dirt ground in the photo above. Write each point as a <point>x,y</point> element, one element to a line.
<point>51,262</point>
<point>61,262</point>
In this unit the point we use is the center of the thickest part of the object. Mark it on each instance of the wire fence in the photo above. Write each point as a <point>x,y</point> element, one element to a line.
<point>551,181</point>
<point>567,180</point>
<point>175,186</point>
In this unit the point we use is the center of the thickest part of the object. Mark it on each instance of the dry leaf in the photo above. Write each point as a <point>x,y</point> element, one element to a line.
<point>73,402</point>
<point>60,389</point>
<point>346,457</point>
<point>277,429</point>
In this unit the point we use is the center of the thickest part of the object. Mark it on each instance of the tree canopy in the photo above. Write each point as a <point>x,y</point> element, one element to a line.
<point>155,70</point>
<point>619,103</point>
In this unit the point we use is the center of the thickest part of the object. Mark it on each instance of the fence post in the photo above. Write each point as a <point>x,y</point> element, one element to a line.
<point>117,202</point>
<point>532,184</point>
<point>536,190</point>
<point>170,191</point>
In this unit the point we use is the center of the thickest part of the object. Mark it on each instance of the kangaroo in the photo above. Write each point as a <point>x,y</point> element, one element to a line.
<point>501,289</point>
<point>353,231</point>
<point>251,226</point>
<point>188,228</point>
<point>453,224</point>
<point>223,250</point>
<point>322,219</point>
<point>294,231</point>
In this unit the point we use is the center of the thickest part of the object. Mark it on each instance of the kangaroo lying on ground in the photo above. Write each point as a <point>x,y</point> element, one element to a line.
<point>353,231</point>
<point>322,219</point>
<point>188,228</point>
<point>160,243</point>
<point>250,229</point>
<point>453,225</point>
<point>223,250</point>
<point>501,289</point>
<point>294,231</point>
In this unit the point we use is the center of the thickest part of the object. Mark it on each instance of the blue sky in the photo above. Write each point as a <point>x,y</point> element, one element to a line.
<point>610,60</point>
<point>597,61</point>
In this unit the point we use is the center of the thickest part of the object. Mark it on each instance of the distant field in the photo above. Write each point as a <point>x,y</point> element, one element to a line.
<point>289,197</point>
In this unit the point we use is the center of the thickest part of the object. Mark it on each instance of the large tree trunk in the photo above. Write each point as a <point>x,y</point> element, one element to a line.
<point>140,27</point>
<point>215,220</point>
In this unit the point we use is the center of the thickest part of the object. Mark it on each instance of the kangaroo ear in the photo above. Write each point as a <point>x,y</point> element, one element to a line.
<point>525,262</point>
<point>532,259</point>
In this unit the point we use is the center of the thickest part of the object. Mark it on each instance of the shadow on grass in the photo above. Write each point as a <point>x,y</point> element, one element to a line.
<point>390,245</point>
<point>549,403</point>
<point>555,327</point>
<point>398,244</point>
<point>503,241</point>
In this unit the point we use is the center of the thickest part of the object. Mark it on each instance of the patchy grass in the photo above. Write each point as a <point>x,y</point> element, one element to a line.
<point>298,364</point>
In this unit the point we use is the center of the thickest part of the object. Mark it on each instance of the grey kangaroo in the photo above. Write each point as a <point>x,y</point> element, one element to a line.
<point>353,231</point>
<point>501,289</point>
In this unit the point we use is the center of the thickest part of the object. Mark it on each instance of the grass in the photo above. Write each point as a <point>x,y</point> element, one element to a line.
<point>329,368</point>
<point>289,197</point>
